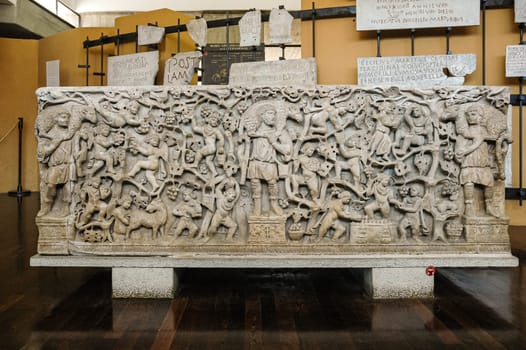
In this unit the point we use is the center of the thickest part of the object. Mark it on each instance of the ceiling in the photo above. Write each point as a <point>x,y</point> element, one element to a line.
<point>27,20</point>
<point>13,30</point>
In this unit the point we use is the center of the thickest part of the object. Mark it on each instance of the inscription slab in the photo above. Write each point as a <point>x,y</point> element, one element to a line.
<point>415,70</point>
<point>180,69</point>
<point>280,26</point>
<point>197,29</point>
<point>250,29</point>
<point>412,14</point>
<point>301,72</point>
<point>147,35</point>
<point>134,69</point>
<point>520,11</point>
<point>516,61</point>
<point>53,73</point>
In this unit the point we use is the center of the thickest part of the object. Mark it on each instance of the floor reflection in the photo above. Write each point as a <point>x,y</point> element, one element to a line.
<point>61,308</point>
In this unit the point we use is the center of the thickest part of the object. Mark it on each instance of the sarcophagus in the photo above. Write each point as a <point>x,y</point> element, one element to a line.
<point>328,170</point>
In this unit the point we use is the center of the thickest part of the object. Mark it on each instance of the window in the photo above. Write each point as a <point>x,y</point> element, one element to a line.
<point>61,10</point>
<point>68,14</point>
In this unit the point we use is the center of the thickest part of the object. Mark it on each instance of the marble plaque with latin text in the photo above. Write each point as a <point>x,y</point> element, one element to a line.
<point>134,69</point>
<point>415,70</point>
<point>180,69</point>
<point>516,61</point>
<point>412,14</point>
<point>287,72</point>
<point>250,29</point>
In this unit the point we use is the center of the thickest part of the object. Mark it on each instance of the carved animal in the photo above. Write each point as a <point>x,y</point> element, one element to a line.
<point>153,217</point>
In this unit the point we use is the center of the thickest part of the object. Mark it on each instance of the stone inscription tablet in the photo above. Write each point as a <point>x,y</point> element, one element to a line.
<point>412,14</point>
<point>520,11</point>
<point>197,29</point>
<point>180,69</point>
<point>134,69</point>
<point>215,59</point>
<point>147,35</point>
<point>516,61</point>
<point>250,29</point>
<point>53,73</point>
<point>301,72</point>
<point>280,25</point>
<point>415,70</point>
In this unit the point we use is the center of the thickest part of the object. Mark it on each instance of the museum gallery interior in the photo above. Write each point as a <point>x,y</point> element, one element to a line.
<point>290,175</point>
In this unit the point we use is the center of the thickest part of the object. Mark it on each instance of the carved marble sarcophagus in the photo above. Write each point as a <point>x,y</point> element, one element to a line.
<point>332,170</point>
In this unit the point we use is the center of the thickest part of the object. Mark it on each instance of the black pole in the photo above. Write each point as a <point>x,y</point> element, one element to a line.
<point>87,63</point>
<point>19,192</point>
<point>378,34</point>
<point>227,46</point>
<point>448,35</point>
<point>118,42</point>
<point>520,142</point>
<point>484,42</point>
<point>101,60</point>
<point>413,31</point>
<point>521,139</point>
<point>178,35</point>
<point>86,66</point>
<point>313,29</point>
<point>136,39</point>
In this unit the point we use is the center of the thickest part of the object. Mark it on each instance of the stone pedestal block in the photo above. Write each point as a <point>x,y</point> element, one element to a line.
<point>384,276</point>
<point>396,283</point>
<point>143,282</point>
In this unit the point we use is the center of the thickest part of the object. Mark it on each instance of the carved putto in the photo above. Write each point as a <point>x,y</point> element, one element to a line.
<point>154,170</point>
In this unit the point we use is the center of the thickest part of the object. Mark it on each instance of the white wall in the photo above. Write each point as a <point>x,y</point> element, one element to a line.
<point>179,5</point>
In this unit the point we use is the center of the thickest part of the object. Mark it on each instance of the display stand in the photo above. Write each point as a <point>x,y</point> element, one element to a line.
<point>19,192</point>
<point>384,276</point>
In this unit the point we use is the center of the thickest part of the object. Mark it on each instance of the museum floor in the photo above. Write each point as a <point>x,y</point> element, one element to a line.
<point>71,308</point>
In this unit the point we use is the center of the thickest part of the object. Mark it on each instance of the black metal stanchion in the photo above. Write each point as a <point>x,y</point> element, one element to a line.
<point>378,38</point>
<point>19,192</point>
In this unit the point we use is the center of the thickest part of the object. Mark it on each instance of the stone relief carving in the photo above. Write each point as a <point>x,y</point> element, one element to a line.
<point>154,170</point>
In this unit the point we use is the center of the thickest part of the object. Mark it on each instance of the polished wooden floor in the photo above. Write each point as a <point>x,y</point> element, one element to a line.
<point>61,308</point>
